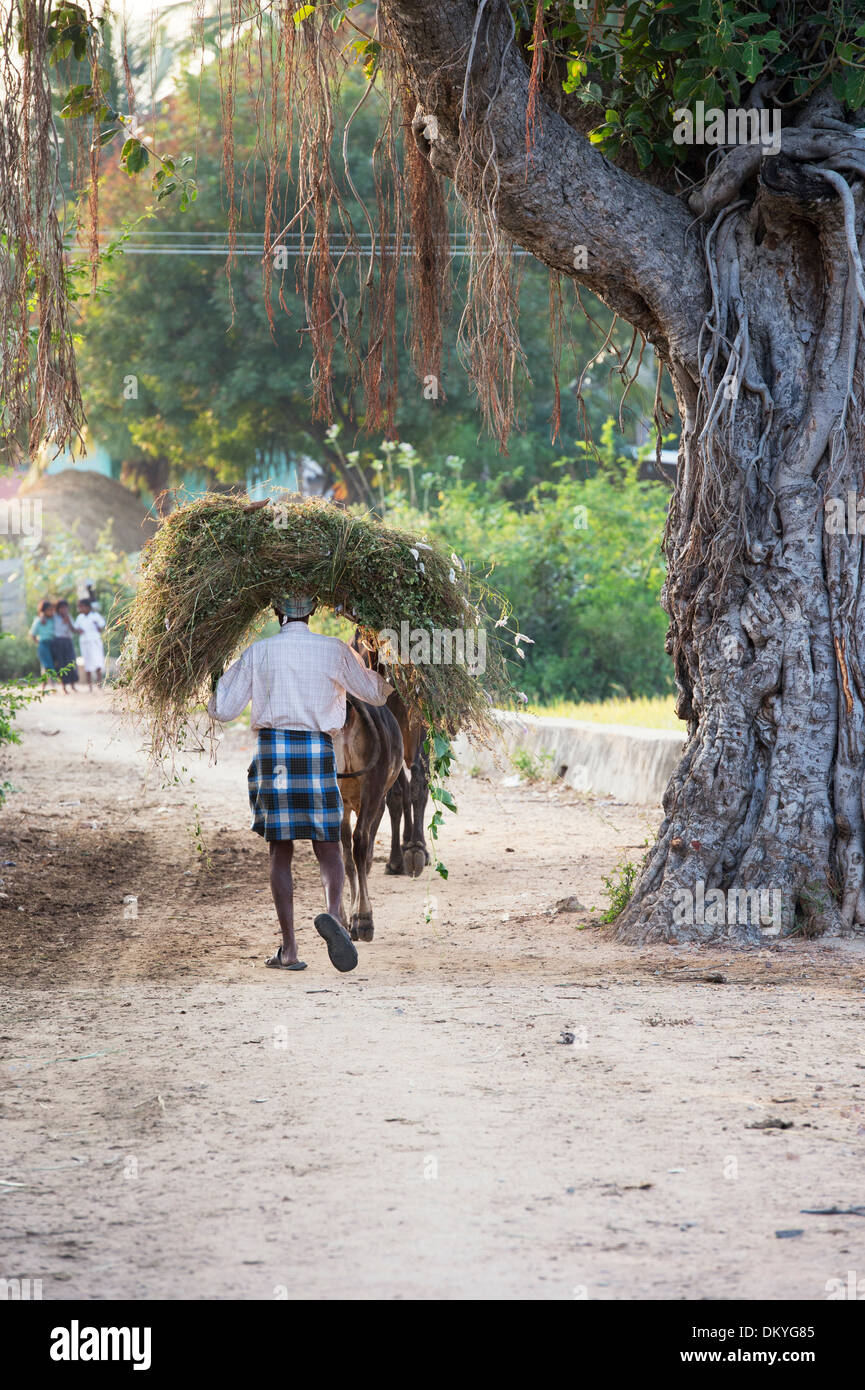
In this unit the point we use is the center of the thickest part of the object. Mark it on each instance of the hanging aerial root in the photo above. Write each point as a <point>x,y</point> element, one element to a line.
<point>39,391</point>
<point>427,268</point>
<point>488,339</point>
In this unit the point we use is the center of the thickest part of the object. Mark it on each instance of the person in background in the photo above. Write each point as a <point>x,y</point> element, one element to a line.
<point>42,632</point>
<point>63,647</point>
<point>89,625</point>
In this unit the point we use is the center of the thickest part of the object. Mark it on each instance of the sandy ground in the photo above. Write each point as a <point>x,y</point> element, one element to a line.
<point>179,1122</point>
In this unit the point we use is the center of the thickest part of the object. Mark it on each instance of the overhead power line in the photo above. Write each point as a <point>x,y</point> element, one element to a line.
<point>171,243</point>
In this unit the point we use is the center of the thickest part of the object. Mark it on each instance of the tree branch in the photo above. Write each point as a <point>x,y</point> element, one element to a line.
<point>565,194</point>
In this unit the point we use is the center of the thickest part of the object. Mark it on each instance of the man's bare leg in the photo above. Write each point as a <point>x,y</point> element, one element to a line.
<point>282,888</point>
<point>332,870</point>
<point>329,924</point>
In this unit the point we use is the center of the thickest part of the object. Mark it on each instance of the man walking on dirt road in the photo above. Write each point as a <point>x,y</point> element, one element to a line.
<point>297,683</point>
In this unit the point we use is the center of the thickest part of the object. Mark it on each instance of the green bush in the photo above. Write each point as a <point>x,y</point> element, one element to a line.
<point>619,888</point>
<point>535,767</point>
<point>18,657</point>
<point>581,563</point>
<point>20,685</point>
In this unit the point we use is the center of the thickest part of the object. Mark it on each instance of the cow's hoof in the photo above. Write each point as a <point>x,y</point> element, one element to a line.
<point>415,859</point>
<point>362,931</point>
<point>394,869</point>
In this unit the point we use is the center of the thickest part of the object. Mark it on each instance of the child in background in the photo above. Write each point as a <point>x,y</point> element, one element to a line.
<point>63,647</point>
<point>89,626</point>
<point>42,632</point>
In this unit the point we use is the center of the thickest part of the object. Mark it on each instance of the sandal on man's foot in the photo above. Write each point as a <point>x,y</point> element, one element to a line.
<point>340,947</point>
<point>276,962</point>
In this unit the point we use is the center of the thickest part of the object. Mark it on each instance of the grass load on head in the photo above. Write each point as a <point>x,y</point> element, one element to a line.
<point>215,567</point>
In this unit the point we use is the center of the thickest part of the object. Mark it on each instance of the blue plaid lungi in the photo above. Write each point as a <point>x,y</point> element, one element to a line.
<point>293,791</point>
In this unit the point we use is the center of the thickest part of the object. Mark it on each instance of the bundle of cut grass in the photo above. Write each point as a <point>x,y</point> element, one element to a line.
<point>216,565</point>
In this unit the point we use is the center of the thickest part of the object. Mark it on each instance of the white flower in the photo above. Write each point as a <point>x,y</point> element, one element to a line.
<point>520,652</point>
<point>521,637</point>
<point>452,576</point>
<point>502,621</point>
<point>414,552</point>
<point>421,566</point>
<point>522,697</point>
<point>423,545</point>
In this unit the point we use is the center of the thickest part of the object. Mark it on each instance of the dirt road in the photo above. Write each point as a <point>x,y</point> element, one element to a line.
<point>179,1122</point>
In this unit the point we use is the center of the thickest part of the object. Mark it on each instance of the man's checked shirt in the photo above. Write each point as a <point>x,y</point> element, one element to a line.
<point>296,680</point>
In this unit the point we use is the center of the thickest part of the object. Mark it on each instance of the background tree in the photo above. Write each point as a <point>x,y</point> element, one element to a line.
<point>222,387</point>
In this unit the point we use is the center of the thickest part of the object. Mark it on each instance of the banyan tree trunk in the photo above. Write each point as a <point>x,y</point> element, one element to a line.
<point>763,824</point>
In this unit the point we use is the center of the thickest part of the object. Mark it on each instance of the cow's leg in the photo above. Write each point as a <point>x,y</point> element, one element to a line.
<point>397,802</point>
<point>348,861</point>
<point>361,916</point>
<point>421,792</point>
<point>415,853</point>
<point>374,824</point>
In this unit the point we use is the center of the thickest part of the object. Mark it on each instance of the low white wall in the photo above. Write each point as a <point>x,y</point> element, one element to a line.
<point>631,764</point>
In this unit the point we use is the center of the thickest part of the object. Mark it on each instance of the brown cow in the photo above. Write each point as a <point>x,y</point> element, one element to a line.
<point>369,758</point>
<point>407,797</point>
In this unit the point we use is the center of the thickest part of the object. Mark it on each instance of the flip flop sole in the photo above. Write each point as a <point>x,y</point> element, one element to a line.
<point>340,947</point>
<point>274,963</point>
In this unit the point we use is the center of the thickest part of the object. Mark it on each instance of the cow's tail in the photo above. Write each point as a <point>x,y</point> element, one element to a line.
<point>364,712</point>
